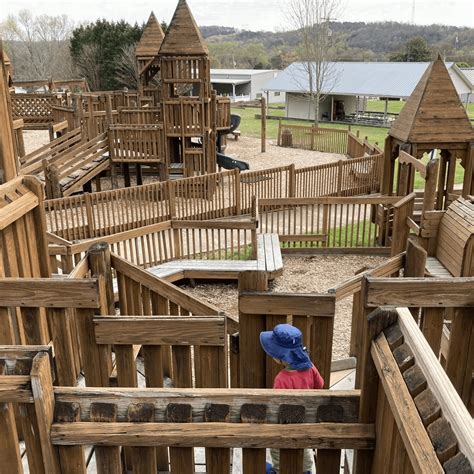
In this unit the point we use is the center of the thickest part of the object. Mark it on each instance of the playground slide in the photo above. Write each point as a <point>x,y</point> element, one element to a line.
<point>228,163</point>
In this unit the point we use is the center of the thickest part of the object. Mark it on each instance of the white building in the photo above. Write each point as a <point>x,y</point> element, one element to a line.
<point>349,84</point>
<point>245,84</point>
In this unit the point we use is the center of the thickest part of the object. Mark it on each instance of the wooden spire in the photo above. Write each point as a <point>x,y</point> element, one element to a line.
<point>433,113</point>
<point>183,35</point>
<point>151,39</point>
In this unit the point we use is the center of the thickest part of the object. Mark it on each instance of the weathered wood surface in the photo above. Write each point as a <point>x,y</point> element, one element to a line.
<point>240,400</point>
<point>218,435</point>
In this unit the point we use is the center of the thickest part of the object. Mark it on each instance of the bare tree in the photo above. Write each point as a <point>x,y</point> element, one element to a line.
<point>39,45</point>
<point>88,65</point>
<point>127,68</point>
<point>312,20</point>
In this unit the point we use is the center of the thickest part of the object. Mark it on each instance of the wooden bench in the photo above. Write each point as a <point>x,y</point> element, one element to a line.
<point>69,171</point>
<point>454,254</point>
<point>268,260</point>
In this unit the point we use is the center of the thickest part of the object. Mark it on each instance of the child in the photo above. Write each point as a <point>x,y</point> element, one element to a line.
<point>285,346</point>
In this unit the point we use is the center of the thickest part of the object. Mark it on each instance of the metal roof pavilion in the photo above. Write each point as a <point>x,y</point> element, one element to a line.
<point>377,79</point>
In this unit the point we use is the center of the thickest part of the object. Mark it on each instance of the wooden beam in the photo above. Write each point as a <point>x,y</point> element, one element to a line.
<point>415,438</point>
<point>160,330</point>
<point>438,382</point>
<point>420,292</point>
<point>217,435</point>
<point>288,303</point>
<point>15,389</point>
<point>49,293</point>
<point>199,399</point>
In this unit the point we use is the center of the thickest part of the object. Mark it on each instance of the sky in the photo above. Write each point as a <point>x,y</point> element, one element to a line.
<point>248,14</point>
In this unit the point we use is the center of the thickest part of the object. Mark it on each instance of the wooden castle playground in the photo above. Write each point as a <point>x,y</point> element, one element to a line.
<point>107,365</point>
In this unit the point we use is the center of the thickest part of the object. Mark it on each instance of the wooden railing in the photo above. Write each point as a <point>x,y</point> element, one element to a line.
<point>217,195</point>
<point>154,244</point>
<point>313,138</point>
<point>328,224</point>
<point>344,178</point>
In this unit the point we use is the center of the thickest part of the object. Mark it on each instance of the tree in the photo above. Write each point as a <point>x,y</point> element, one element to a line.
<point>105,42</point>
<point>127,68</point>
<point>39,45</point>
<point>312,18</point>
<point>415,50</point>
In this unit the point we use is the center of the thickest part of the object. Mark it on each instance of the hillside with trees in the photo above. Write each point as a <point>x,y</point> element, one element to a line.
<point>52,46</point>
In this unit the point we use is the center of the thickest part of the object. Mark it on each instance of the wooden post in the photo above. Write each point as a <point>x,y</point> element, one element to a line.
<point>387,174</point>
<point>252,356</point>
<point>468,184</point>
<point>43,396</point>
<point>8,160</point>
<point>279,133</point>
<point>263,106</point>
<point>374,323</point>
<point>429,199</point>
<point>292,181</point>
<point>237,193</point>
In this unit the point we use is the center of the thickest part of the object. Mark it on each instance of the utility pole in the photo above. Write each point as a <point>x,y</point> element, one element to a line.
<point>413,5</point>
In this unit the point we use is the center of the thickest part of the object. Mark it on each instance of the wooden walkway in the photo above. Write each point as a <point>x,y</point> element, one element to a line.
<point>268,260</point>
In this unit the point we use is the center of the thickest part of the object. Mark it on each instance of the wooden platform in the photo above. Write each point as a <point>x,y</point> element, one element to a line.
<point>269,260</point>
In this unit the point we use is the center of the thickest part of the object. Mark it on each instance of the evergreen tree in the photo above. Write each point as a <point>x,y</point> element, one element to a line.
<point>415,50</point>
<point>105,41</point>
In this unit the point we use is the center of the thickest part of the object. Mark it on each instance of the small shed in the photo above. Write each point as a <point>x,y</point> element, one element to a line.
<point>433,119</point>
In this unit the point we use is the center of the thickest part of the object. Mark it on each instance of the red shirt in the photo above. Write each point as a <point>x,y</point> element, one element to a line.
<point>299,379</point>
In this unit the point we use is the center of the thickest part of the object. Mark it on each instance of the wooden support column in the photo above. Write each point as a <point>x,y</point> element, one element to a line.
<point>373,324</point>
<point>252,356</point>
<point>468,184</point>
<point>8,160</point>
<point>263,108</point>
<point>388,166</point>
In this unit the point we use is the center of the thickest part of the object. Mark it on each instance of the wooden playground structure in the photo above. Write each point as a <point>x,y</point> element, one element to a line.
<point>108,365</point>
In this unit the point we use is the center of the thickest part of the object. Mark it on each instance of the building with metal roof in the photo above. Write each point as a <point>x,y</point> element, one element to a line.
<point>349,84</point>
<point>244,84</point>
<point>468,73</point>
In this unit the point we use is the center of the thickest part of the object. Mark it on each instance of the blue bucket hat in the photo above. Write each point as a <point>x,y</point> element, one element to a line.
<point>284,343</point>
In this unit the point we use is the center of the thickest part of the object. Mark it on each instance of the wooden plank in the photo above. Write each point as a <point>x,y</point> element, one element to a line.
<point>47,293</point>
<point>159,330</point>
<point>438,382</point>
<point>288,303</point>
<point>17,209</point>
<point>251,323</point>
<point>15,389</point>
<point>347,401</point>
<point>42,388</point>
<point>417,443</point>
<point>216,435</point>
<point>420,292</point>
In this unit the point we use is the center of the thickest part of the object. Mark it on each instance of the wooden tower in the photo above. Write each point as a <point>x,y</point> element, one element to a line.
<point>146,52</point>
<point>433,119</point>
<point>186,97</point>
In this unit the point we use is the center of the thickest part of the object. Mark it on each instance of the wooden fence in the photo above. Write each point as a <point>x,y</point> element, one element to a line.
<point>344,178</point>
<point>158,243</point>
<point>213,196</point>
<point>329,224</point>
<point>328,140</point>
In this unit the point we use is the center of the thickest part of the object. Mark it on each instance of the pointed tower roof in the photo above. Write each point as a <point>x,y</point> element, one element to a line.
<point>433,113</point>
<point>183,35</point>
<point>151,39</point>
